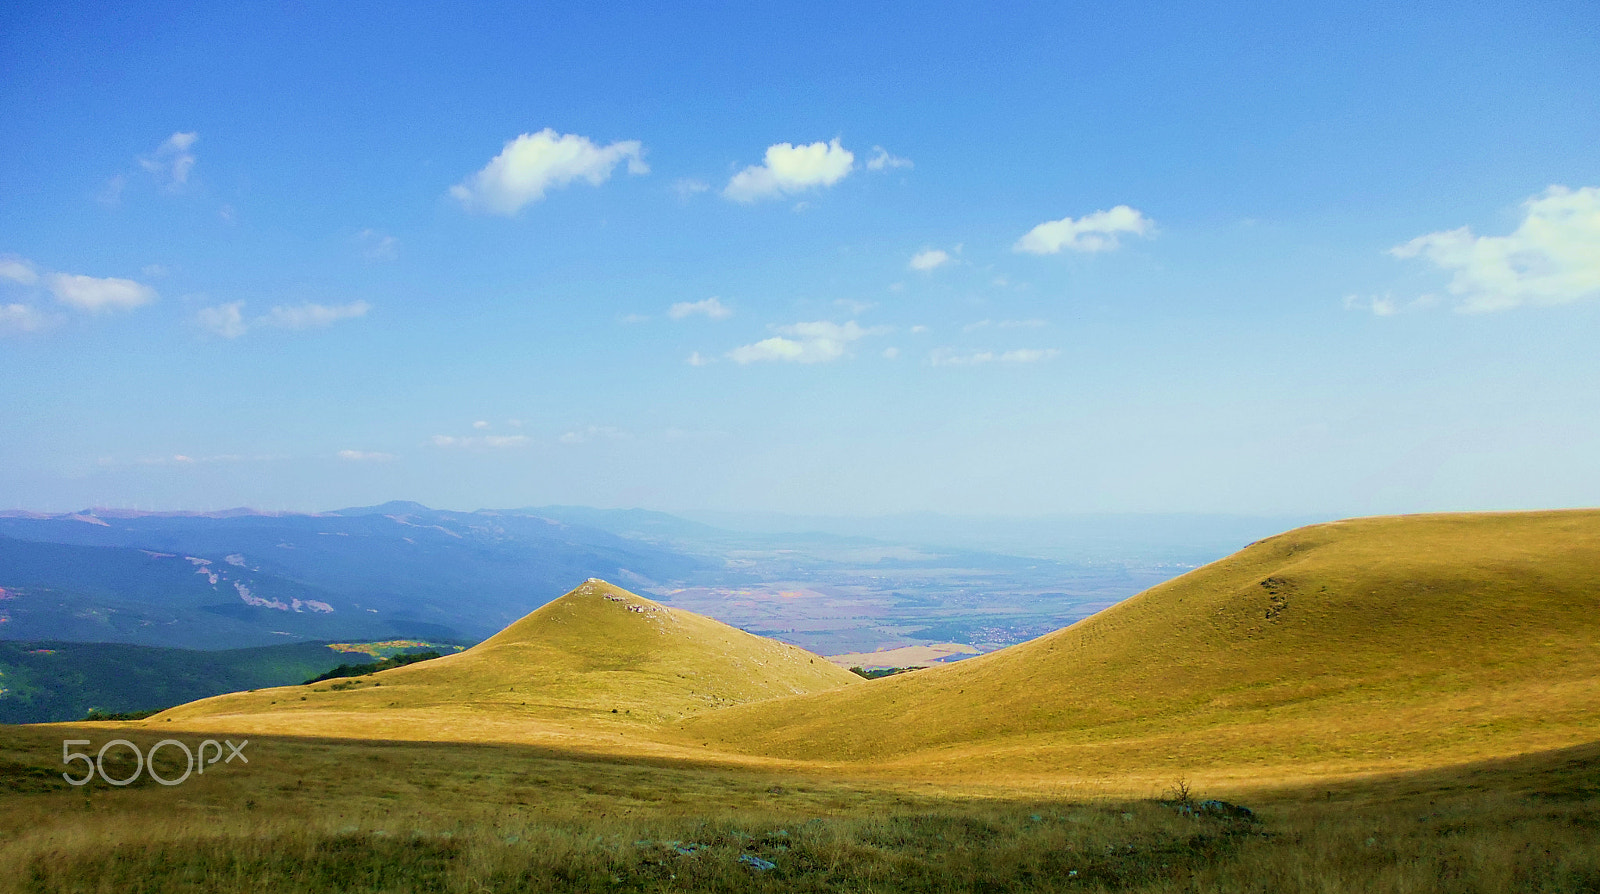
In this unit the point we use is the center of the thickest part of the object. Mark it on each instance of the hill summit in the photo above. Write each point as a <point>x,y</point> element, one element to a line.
<point>597,655</point>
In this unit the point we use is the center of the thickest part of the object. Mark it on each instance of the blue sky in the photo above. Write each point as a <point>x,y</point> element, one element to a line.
<point>820,259</point>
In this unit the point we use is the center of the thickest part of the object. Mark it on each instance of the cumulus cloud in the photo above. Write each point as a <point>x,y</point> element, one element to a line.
<point>817,342</point>
<point>23,318</point>
<point>790,169</point>
<point>172,160</point>
<point>96,294</point>
<point>312,316</point>
<point>1090,233</point>
<point>91,294</point>
<point>17,270</point>
<point>711,307</point>
<point>1553,256</point>
<point>947,357</point>
<point>533,163</point>
<point>881,160</point>
<point>228,320</point>
<point>366,456</point>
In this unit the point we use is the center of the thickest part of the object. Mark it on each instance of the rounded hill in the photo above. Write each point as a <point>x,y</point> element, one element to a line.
<point>597,654</point>
<point>1368,643</point>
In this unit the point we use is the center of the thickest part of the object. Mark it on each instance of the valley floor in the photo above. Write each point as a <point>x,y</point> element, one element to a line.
<point>313,815</point>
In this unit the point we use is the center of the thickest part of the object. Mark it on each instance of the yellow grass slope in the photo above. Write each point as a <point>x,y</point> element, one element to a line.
<point>599,660</point>
<point>1367,644</point>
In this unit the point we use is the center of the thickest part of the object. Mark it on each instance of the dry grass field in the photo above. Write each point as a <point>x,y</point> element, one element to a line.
<point>313,815</point>
<point>1408,704</point>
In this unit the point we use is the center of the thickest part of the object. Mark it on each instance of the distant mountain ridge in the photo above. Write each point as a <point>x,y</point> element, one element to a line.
<point>239,578</point>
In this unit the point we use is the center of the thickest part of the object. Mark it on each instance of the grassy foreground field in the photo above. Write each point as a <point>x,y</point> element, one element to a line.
<point>311,815</point>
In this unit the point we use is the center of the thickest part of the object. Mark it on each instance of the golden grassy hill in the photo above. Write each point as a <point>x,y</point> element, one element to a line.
<point>1377,643</point>
<point>598,659</point>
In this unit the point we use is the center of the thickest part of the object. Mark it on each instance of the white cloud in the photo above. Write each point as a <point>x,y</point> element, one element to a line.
<point>711,307</point>
<point>481,424</point>
<point>495,441</point>
<point>790,169</point>
<point>929,259</point>
<point>696,360</point>
<point>365,456</point>
<point>154,270</point>
<point>891,353</point>
<point>1090,233</point>
<point>18,270</point>
<point>882,160</point>
<point>533,163</point>
<point>769,349</point>
<point>308,315</point>
<point>226,320</point>
<point>23,318</point>
<point>1553,257</point>
<point>376,246</point>
<point>172,160</point>
<point>95,294</point>
<point>817,342</point>
<point>918,329</point>
<point>947,357</point>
